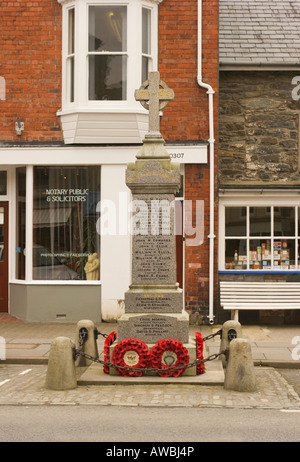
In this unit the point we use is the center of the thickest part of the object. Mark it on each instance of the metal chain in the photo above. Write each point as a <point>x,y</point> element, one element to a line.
<point>83,334</point>
<point>165,369</point>
<point>213,335</point>
<point>97,332</point>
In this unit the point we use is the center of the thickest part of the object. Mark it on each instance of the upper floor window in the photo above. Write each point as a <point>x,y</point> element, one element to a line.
<point>107,53</point>
<point>108,50</point>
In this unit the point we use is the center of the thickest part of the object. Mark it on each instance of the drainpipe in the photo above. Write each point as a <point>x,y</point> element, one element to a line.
<point>210,92</point>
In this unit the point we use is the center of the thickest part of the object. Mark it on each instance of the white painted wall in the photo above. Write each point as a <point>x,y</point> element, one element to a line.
<point>115,249</point>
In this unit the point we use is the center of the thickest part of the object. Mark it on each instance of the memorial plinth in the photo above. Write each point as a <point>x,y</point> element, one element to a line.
<point>154,302</point>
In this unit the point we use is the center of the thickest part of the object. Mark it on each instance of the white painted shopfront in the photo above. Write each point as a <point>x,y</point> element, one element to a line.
<point>53,197</point>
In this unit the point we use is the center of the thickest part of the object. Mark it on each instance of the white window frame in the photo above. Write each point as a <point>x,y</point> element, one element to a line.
<point>134,51</point>
<point>262,198</point>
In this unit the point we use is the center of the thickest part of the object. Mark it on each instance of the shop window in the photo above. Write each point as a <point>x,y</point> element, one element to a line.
<point>65,238</point>
<point>20,222</point>
<point>261,238</point>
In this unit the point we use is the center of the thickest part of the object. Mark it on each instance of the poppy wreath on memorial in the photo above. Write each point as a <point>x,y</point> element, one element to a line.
<point>107,343</point>
<point>167,355</point>
<point>199,353</point>
<point>131,354</point>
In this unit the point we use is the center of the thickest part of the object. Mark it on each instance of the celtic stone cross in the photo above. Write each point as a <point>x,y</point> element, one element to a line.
<point>154,98</point>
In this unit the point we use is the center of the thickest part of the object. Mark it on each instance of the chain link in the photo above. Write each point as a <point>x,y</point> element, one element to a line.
<point>97,332</point>
<point>219,332</point>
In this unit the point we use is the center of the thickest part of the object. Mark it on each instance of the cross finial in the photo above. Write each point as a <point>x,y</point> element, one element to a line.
<point>154,98</point>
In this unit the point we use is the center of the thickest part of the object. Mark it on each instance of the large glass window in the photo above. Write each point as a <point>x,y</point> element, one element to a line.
<point>146,43</point>
<point>107,52</point>
<point>20,222</point>
<point>71,54</point>
<point>262,238</point>
<point>65,239</point>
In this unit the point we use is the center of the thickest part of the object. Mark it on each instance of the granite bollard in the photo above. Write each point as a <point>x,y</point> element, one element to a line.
<point>226,333</point>
<point>89,344</point>
<point>240,373</point>
<point>61,372</point>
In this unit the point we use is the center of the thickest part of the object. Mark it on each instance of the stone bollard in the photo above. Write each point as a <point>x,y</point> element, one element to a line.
<point>225,341</point>
<point>240,374</point>
<point>89,345</point>
<point>61,372</point>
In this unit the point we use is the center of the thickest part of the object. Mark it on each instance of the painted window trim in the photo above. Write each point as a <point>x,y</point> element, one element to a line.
<point>81,102</point>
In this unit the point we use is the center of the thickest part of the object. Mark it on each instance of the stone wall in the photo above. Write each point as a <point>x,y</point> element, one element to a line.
<point>258,129</point>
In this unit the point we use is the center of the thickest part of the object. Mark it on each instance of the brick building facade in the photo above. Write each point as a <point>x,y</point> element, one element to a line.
<point>69,126</point>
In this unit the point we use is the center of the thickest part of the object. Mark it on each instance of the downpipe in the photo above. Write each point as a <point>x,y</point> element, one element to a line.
<point>210,92</point>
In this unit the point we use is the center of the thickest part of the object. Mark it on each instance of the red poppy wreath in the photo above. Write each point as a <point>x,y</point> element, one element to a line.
<point>169,357</point>
<point>132,355</point>
<point>107,343</point>
<point>199,353</point>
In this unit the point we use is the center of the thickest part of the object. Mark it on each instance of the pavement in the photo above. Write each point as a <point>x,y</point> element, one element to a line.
<point>27,347</point>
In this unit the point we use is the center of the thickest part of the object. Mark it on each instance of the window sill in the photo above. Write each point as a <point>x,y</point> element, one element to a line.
<point>259,271</point>
<point>106,125</point>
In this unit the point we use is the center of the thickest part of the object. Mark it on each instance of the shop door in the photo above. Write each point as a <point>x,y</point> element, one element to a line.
<point>3,257</point>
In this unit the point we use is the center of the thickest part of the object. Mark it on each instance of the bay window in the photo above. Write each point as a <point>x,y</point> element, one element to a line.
<point>108,50</point>
<point>259,235</point>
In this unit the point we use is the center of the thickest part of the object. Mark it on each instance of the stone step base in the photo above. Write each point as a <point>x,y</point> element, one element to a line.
<point>94,375</point>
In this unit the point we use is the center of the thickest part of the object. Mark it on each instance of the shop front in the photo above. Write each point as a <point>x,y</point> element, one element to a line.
<point>259,238</point>
<point>65,245</point>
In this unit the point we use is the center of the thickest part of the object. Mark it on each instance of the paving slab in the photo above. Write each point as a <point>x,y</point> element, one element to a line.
<point>26,386</point>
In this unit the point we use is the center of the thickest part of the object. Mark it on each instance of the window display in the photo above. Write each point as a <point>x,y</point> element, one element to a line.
<point>64,221</point>
<point>261,238</point>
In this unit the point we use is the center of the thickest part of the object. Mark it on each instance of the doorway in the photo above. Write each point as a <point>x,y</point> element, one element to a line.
<point>3,257</point>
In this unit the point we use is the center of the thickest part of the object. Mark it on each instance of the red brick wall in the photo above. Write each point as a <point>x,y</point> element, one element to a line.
<point>30,62</point>
<point>187,119</point>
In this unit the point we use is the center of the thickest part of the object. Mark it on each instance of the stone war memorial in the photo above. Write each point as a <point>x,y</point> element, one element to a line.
<point>153,333</point>
<point>152,340</point>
